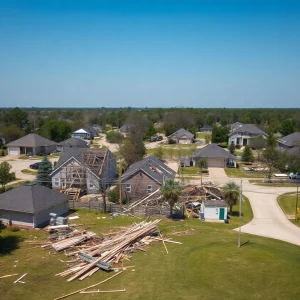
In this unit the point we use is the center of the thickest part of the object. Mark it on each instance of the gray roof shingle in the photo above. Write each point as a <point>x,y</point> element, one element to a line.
<point>291,140</point>
<point>248,129</point>
<point>212,151</point>
<point>31,198</point>
<point>152,166</point>
<point>215,203</point>
<point>181,132</point>
<point>74,142</point>
<point>32,140</point>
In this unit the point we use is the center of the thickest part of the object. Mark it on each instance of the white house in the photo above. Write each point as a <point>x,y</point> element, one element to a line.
<point>213,210</point>
<point>241,134</point>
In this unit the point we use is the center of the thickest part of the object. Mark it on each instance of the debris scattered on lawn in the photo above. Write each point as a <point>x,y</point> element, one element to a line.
<point>92,252</point>
<point>10,275</point>
<point>18,280</point>
<point>73,218</point>
<point>184,232</point>
<point>112,291</point>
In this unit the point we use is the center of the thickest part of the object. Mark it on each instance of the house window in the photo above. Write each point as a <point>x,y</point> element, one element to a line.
<point>56,181</point>
<point>128,188</point>
<point>149,189</point>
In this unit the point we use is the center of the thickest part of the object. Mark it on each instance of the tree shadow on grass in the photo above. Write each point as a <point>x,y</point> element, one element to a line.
<point>9,243</point>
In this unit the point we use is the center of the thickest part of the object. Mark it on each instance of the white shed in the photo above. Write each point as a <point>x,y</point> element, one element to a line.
<point>213,210</point>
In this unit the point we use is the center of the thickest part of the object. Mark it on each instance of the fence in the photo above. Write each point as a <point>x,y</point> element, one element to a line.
<point>140,210</point>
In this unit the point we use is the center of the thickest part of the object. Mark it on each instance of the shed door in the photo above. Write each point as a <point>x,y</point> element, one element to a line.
<point>221,213</point>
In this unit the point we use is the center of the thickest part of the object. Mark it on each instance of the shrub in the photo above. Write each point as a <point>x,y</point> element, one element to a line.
<point>171,141</point>
<point>14,229</point>
<point>238,146</point>
<point>114,137</point>
<point>4,147</point>
<point>2,190</point>
<point>113,195</point>
<point>3,154</point>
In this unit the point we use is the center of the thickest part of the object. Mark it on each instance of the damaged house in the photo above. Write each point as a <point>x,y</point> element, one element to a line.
<point>84,171</point>
<point>144,178</point>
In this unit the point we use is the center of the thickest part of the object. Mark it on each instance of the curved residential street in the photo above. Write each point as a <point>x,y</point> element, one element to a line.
<point>269,220</point>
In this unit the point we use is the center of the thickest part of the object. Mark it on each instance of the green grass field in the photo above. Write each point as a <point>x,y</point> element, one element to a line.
<point>207,266</point>
<point>201,135</point>
<point>239,173</point>
<point>287,203</point>
<point>29,172</point>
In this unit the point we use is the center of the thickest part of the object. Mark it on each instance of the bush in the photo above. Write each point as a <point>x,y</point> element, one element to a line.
<point>3,154</point>
<point>4,147</point>
<point>113,195</point>
<point>205,171</point>
<point>2,190</point>
<point>14,229</point>
<point>237,165</point>
<point>171,141</point>
<point>114,137</point>
<point>238,146</point>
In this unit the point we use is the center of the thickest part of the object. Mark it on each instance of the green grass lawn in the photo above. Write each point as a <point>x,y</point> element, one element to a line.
<point>239,173</point>
<point>29,172</point>
<point>238,153</point>
<point>201,135</point>
<point>192,171</point>
<point>287,203</point>
<point>208,265</point>
<point>171,152</point>
<point>282,184</point>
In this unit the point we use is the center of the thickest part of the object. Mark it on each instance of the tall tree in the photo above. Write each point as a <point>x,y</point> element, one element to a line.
<point>248,155</point>
<point>16,117</point>
<point>202,163</point>
<point>171,191</point>
<point>132,148</point>
<point>11,133</point>
<point>231,194</point>
<point>5,175</point>
<point>219,134</point>
<point>57,130</point>
<point>43,175</point>
<point>271,156</point>
<point>288,126</point>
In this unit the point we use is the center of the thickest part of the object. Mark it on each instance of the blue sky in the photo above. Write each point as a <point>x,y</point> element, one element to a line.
<point>150,53</point>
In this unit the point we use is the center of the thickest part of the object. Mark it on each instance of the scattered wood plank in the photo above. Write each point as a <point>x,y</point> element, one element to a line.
<point>10,275</point>
<point>164,243</point>
<point>112,291</point>
<point>89,287</point>
<point>16,281</point>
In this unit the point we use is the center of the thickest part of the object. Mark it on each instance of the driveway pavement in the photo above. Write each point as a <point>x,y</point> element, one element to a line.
<point>269,220</point>
<point>20,164</point>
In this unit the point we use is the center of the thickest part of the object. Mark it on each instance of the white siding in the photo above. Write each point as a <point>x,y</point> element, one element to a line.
<point>212,213</point>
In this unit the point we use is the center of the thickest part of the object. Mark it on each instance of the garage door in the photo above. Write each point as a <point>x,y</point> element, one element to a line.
<point>215,163</point>
<point>13,151</point>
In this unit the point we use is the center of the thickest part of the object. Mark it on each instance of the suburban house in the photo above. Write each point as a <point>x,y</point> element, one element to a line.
<point>126,128</point>
<point>145,177</point>
<point>31,144</point>
<point>206,128</point>
<point>30,205</point>
<point>242,134</point>
<point>182,136</point>
<point>213,210</point>
<point>289,143</point>
<point>87,170</point>
<point>71,143</point>
<point>217,157</point>
<point>235,125</point>
<point>85,133</point>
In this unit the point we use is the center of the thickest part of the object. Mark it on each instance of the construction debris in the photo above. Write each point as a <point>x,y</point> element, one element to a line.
<point>93,253</point>
<point>18,280</point>
<point>10,275</point>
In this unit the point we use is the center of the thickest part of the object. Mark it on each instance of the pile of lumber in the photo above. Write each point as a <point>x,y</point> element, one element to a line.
<point>91,253</point>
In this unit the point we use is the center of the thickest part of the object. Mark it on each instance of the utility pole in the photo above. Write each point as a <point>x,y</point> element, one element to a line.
<point>296,213</point>
<point>240,228</point>
<point>120,181</point>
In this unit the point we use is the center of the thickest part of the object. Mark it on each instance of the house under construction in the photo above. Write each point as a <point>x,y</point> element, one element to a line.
<point>81,170</point>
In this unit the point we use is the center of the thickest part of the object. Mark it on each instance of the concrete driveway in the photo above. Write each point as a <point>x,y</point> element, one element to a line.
<point>269,220</point>
<point>20,164</point>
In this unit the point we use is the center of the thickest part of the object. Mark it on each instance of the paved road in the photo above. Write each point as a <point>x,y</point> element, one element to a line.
<point>269,220</point>
<point>20,164</point>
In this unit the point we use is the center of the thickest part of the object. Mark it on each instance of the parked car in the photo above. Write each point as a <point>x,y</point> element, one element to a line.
<point>294,176</point>
<point>159,138</point>
<point>35,166</point>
